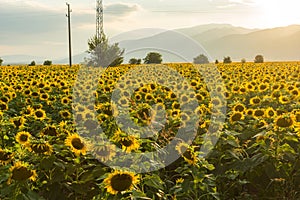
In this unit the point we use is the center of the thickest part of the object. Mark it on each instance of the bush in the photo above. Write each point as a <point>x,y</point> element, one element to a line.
<point>216,62</point>
<point>32,63</point>
<point>243,60</point>
<point>227,60</point>
<point>1,61</point>
<point>259,59</point>
<point>134,61</point>
<point>153,57</point>
<point>47,62</point>
<point>201,59</point>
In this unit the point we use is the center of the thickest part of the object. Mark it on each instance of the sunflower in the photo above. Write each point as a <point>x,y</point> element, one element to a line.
<point>40,147</point>
<point>18,122</point>
<point>259,113</point>
<point>5,157</point>
<point>284,121</point>
<point>49,130</point>
<point>23,137</point>
<point>128,142</point>
<point>28,111</point>
<point>284,99</point>
<point>39,114</point>
<point>270,112</point>
<point>65,114</point>
<point>103,152</point>
<point>239,107</point>
<point>21,172</point>
<point>187,152</point>
<point>120,181</point>
<point>76,143</point>
<point>236,116</point>
<point>44,96</point>
<point>255,100</point>
<point>3,106</point>
<point>65,100</point>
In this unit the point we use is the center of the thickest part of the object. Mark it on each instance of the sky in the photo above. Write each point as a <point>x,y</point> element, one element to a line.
<point>39,27</point>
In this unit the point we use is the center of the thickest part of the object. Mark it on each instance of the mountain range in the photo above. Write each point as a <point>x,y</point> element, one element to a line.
<point>214,40</point>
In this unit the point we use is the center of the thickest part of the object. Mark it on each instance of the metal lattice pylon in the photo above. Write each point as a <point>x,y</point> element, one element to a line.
<point>99,20</point>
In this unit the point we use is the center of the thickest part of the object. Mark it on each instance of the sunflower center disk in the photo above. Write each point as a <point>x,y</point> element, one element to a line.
<point>121,182</point>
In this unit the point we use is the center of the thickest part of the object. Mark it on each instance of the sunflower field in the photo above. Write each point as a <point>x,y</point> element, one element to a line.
<point>170,131</point>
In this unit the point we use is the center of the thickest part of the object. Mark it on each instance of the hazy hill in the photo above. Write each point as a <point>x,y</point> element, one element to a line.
<point>218,41</point>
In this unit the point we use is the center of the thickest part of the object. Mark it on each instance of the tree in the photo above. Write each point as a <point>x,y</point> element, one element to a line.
<point>1,61</point>
<point>135,61</point>
<point>153,57</point>
<point>227,60</point>
<point>47,62</point>
<point>259,59</point>
<point>243,60</point>
<point>216,62</point>
<point>32,63</point>
<point>103,54</point>
<point>201,59</point>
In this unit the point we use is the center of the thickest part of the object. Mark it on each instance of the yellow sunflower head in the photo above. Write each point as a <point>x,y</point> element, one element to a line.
<point>76,143</point>
<point>23,137</point>
<point>284,121</point>
<point>236,116</point>
<point>39,114</point>
<point>120,181</point>
<point>21,172</point>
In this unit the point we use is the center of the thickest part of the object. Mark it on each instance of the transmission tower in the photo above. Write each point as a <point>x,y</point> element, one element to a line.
<point>99,20</point>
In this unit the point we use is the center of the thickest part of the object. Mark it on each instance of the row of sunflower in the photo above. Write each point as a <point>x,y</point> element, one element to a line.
<point>64,130</point>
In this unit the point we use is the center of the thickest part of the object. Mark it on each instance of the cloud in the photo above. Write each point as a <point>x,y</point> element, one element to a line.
<point>121,9</point>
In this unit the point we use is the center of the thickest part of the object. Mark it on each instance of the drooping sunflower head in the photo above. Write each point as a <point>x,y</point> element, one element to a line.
<point>76,143</point>
<point>40,147</point>
<point>21,172</point>
<point>187,152</point>
<point>285,121</point>
<point>23,137</point>
<point>5,157</point>
<point>103,152</point>
<point>18,122</point>
<point>50,131</point>
<point>120,181</point>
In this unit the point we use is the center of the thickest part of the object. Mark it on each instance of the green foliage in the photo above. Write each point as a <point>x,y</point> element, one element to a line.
<point>153,58</point>
<point>104,54</point>
<point>227,59</point>
<point>1,61</point>
<point>47,62</point>
<point>259,59</point>
<point>216,62</point>
<point>135,61</point>
<point>32,63</point>
<point>201,59</point>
